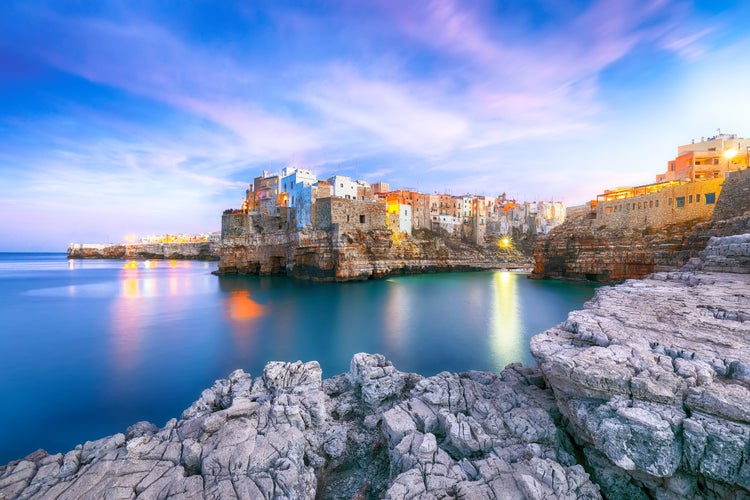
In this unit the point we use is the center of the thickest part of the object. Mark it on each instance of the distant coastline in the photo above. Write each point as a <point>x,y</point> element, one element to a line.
<point>204,250</point>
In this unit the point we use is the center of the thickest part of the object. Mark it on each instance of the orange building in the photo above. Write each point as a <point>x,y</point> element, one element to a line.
<point>710,158</point>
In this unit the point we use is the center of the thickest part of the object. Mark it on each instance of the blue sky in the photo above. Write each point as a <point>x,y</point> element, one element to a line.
<point>143,117</point>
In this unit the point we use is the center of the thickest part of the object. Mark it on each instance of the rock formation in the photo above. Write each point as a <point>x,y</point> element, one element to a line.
<point>374,432</point>
<point>140,251</point>
<point>653,377</point>
<point>330,255</point>
<point>586,249</point>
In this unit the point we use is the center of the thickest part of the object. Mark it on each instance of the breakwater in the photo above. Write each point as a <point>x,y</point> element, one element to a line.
<point>141,251</point>
<point>642,394</point>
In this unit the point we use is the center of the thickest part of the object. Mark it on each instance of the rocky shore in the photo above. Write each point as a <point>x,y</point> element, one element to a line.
<point>643,394</point>
<point>143,251</point>
<point>373,432</point>
<point>653,379</point>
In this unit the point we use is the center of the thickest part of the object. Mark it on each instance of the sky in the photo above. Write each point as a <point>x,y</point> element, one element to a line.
<point>150,117</point>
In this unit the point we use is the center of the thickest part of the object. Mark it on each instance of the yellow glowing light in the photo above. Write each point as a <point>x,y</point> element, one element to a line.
<point>730,153</point>
<point>132,264</point>
<point>504,242</point>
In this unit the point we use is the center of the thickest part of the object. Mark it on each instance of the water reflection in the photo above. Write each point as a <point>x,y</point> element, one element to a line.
<point>126,320</point>
<point>506,337</point>
<point>395,316</point>
<point>242,313</point>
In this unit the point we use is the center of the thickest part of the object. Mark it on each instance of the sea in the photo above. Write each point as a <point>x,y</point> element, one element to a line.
<point>89,347</point>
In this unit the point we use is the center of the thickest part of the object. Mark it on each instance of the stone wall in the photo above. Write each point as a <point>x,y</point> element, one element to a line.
<point>236,224</point>
<point>671,205</point>
<point>735,196</point>
<point>349,215</point>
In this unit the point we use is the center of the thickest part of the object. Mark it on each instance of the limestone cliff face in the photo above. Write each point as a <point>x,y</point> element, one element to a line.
<point>330,255</point>
<point>583,249</point>
<point>653,377</point>
<point>139,251</point>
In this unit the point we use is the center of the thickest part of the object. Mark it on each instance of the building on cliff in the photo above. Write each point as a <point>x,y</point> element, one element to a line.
<point>687,191</point>
<point>288,200</point>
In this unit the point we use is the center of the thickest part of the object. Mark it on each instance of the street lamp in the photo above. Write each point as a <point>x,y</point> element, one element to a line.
<point>729,154</point>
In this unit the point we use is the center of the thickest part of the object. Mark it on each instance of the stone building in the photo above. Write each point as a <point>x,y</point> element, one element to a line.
<point>349,215</point>
<point>266,192</point>
<point>657,205</point>
<point>688,190</point>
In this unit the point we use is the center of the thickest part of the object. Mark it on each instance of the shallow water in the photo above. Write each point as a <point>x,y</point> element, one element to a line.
<point>92,346</point>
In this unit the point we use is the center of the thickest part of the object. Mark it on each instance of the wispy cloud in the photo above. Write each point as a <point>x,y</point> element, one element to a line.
<point>131,101</point>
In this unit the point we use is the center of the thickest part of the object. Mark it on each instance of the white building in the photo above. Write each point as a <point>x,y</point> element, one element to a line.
<point>343,187</point>
<point>299,186</point>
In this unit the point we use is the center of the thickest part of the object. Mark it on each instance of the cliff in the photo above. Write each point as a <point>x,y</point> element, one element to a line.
<point>586,249</point>
<point>653,378</point>
<point>141,251</point>
<point>332,255</point>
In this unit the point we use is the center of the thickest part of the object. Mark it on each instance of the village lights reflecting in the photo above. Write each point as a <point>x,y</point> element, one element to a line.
<point>506,337</point>
<point>242,307</point>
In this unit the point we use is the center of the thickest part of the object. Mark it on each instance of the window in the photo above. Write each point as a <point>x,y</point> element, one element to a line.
<point>669,202</point>
<point>680,202</point>
<point>347,218</point>
<point>690,198</point>
<point>651,204</point>
<point>656,204</point>
<point>710,198</point>
<point>607,210</point>
<point>639,204</point>
<point>361,219</point>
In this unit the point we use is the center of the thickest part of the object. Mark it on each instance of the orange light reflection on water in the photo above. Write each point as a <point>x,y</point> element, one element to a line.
<point>243,311</point>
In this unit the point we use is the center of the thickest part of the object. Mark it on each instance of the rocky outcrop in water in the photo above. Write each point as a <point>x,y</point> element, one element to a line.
<point>143,251</point>
<point>373,432</point>
<point>653,377</point>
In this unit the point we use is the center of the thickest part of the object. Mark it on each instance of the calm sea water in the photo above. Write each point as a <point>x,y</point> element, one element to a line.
<point>92,346</point>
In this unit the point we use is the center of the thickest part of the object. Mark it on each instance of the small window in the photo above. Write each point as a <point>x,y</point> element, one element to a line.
<point>698,198</point>
<point>361,219</point>
<point>347,218</point>
<point>639,204</point>
<point>690,198</point>
<point>669,202</point>
<point>680,202</point>
<point>607,210</point>
<point>656,204</point>
<point>651,204</point>
<point>710,198</point>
